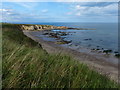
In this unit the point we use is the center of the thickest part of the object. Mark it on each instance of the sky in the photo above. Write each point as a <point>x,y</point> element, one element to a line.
<point>59,12</point>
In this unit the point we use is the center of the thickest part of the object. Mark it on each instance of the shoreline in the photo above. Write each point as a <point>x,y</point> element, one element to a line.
<point>97,64</point>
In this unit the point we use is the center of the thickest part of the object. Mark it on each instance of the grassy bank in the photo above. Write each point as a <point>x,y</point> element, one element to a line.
<point>27,65</point>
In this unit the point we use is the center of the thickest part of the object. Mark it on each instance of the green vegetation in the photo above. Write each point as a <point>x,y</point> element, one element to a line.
<point>27,65</point>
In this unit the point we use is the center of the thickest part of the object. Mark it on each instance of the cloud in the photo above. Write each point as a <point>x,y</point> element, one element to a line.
<point>33,12</point>
<point>78,14</point>
<point>21,0</point>
<point>28,5</point>
<point>60,1</point>
<point>7,14</point>
<point>69,13</point>
<point>78,7</point>
<point>11,15</point>
<point>44,10</point>
<point>110,9</point>
<point>5,10</point>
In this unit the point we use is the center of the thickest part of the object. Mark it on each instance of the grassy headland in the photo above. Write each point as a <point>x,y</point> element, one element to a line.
<point>27,65</point>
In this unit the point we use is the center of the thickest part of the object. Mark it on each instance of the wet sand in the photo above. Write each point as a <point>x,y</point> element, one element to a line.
<point>96,63</point>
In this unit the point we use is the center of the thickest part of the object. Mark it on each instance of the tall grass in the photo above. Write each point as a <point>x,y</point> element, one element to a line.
<point>27,65</point>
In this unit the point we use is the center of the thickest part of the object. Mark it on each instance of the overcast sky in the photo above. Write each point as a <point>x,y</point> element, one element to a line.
<point>59,11</point>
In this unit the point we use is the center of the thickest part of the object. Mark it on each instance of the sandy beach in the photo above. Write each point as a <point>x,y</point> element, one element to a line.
<point>96,63</point>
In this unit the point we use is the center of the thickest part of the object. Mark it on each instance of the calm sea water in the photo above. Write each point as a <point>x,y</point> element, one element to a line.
<point>105,35</point>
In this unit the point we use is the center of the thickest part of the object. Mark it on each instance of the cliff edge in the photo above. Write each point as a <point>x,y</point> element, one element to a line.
<point>46,27</point>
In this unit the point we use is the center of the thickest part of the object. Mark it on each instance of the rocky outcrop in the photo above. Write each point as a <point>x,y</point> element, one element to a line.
<point>42,27</point>
<point>46,27</point>
<point>31,27</point>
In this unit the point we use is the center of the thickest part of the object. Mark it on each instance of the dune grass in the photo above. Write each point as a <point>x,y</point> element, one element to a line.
<point>26,65</point>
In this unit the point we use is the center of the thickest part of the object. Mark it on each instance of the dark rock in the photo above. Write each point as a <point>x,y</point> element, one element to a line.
<point>97,49</point>
<point>117,55</point>
<point>76,45</point>
<point>88,39</point>
<point>63,42</point>
<point>45,33</point>
<point>93,49</point>
<point>116,52</point>
<point>55,36</point>
<point>70,44</point>
<point>64,34</point>
<point>98,46</point>
<point>100,51</point>
<point>89,45</point>
<point>102,48</point>
<point>107,51</point>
